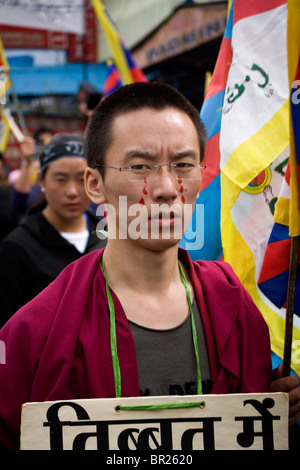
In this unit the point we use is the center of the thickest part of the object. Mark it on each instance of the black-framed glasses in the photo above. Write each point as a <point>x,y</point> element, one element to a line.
<point>180,170</point>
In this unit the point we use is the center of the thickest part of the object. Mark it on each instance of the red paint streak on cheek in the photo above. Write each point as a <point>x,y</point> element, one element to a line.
<point>181,189</point>
<point>182,196</point>
<point>142,201</point>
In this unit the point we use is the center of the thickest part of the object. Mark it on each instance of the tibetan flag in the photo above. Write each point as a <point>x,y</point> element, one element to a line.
<point>4,74</point>
<point>4,131</point>
<point>273,280</point>
<point>4,86</point>
<point>113,80</point>
<point>254,144</point>
<point>202,238</point>
<point>124,70</point>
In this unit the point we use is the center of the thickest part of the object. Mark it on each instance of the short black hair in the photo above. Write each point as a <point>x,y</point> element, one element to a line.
<point>133,97</point>
<point>42,130</point>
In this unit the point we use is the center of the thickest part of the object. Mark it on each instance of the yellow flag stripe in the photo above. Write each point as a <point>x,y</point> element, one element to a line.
<point>259,151</point>
<point>113,40</point>
<point>3,60</point>
<point>281,214</point>
<point>6,132</point>
<point>230,192</point>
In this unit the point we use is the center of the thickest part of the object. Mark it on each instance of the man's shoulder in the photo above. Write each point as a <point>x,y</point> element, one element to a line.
<point>217,278</point>
<point>215,267</point>
<point>209,268</point>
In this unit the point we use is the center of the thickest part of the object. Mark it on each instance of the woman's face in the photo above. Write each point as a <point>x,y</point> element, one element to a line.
<point>63,184</point>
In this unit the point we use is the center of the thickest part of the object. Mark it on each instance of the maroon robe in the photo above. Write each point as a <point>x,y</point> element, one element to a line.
<point>58,345</point>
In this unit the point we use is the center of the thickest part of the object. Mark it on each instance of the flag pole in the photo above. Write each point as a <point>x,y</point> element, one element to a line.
<point>290,305</point>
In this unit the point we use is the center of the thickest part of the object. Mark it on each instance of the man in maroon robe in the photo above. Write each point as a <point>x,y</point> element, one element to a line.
<point>145,142</point>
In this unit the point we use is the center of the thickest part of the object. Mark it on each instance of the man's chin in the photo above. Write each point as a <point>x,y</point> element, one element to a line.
<point>160,244</point>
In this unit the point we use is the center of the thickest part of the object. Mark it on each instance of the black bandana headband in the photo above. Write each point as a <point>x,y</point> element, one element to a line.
<point>62,146</point>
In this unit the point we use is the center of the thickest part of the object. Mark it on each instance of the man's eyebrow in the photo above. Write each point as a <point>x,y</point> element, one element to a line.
<point>138,153</point>
<point>146,154</point>
<point>186,153</point>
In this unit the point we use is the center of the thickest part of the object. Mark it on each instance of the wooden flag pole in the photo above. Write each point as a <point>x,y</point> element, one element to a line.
<point>290,305</point>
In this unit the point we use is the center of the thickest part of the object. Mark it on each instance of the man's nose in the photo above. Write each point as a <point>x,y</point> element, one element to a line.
<point>164,185</point>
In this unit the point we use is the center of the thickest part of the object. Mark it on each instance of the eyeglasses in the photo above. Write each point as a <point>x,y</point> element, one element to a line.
<point>182,170</point>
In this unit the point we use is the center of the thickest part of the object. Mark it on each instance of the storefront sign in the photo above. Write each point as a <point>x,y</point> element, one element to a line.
<point>186,29</point>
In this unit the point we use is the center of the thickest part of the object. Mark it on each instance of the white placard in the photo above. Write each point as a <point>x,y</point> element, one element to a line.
<point>217,422</point>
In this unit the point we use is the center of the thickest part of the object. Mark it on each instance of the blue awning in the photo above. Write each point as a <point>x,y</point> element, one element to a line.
<point>56,80</point>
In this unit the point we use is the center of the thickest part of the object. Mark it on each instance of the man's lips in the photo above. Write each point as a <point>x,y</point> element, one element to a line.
<point>165,218</point>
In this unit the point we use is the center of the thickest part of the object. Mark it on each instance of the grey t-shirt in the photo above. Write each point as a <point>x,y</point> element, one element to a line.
<point>166,359</point>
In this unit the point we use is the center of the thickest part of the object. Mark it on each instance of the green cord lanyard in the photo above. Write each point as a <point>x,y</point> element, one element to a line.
<point>114,353</point>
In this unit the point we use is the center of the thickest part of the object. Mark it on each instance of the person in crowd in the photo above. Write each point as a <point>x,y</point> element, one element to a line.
<point>26,189</point>
<point>139,317</point>
<point>55,233</point>
<point>8,218</point>
<point>4,171</point>
<point>42,135</point>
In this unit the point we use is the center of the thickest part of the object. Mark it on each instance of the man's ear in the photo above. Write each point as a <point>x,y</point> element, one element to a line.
<point>94,185</point>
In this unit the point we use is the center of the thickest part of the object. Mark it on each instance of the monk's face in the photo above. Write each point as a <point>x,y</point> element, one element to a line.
<point>141,140</point>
